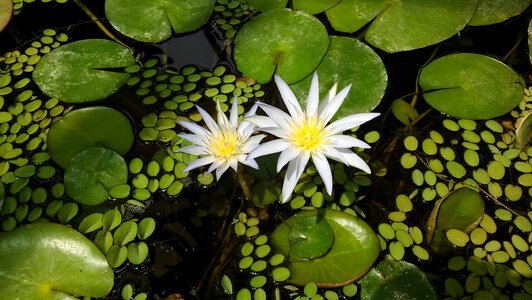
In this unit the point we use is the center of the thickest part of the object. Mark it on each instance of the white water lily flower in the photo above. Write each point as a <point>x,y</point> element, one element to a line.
<point>222,144</point>
<point>303,135</point>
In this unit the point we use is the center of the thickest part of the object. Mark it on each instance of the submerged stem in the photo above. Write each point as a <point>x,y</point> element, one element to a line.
<point>97,21</point>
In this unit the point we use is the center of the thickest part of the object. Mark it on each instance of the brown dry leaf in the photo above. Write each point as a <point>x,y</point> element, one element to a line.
<point>6,10</point>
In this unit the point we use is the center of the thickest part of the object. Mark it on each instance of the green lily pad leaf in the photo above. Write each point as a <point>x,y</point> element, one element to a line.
<point>92,173</point>
<point>153,21</point>
<point>523,132</point>
<point>86,127</point>
<point>392,279</point>
<point>353,251</point>
<point>75,72</point>
<point>310,238</point>
<point>289,43</point>
<point>401,25</point>
<point>460,209</point>
<point>471,86</point>
<point>403,111</point>
<point>313,6</point>
<point>6,9</point>
<point>51,261</point>
<point>349,61</point>
<point>265,5</point>
<point>495,11</point>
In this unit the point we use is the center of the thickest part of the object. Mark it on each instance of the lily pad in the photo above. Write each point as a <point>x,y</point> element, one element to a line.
<point>289,43</point>
<point>495,11</point>
<point>6,10</point>
<point>401,25</point>
<point>51,261</point>
<point>392,279</point>
<point>523,132</point>
<point>460,209</point>
<point>471,86</point>
<point>76,72</point>
<point>86,127</point>
<point>262,5</point>
<point>92,173</point>
<point>153,21</point>
<point>313,6</point>
<point>349,61</point>
<point>347,257</point>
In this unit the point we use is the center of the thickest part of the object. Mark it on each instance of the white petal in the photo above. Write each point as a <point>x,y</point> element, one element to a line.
<point>289,98</point>
<point>195,128</point>
<point>355,160</point>
<point>208,119</point>
<point>269,148</point>
<point>222,118</point>
<point>194,149</point>
<point>199,163</point>
<point>220,170</point>
<point>349,122</point>
<point>332,107</point>
<point>278,116</point>
<point>252,143</point>
<point>346,141</point>
<point>194,138</point>
<point>334,154</point>
<point>251,111</point>
<point>293,173</point>
<point>233,163</point>
<point>324,169</point>
<point>313,98</point>
<point>233,117</point>
<point>287,155</point>
<point>277,131</point>
<point>330,95</point>
<point>216,164</point>
<point>261,121</point>
<point>251,162</point>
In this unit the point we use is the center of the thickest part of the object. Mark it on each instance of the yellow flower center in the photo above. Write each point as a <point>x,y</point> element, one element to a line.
<point>225,145</point>
<point>308,135</point>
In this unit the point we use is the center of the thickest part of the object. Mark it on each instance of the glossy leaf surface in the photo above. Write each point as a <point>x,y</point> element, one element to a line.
<point>285,42</point>
<point>51,261</point>
<point>86,127</point>
<point>352,253</point>
<point>76,72</point>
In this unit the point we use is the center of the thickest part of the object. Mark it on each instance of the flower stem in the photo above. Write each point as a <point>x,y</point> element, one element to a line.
<point>243,183</point>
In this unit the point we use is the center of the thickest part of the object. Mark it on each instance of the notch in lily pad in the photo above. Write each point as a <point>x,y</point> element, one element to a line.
<point>325,246</point>
<point>286,42</point>
<point>153,21</point>
<point>471,86</point>
<point>349,61</point>
<point>92,173</point>
<point>81,71</point>
<point>52,261</point>
<point>86,127</point>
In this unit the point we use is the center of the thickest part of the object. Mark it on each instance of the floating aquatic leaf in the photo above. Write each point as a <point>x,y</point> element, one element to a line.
<point>392,279</point>
<point>262,5</point>
<point>86,127</point>
<point>51,261</point>
<point>76,72</point>
<point>6,9</point>
<point>289,43</point>
<point>354,248</point>
<point>402,25</point>
<point>471,86</point>
<point>314,7</point>
<point>524,131</point>
<point>153,21</point>
<point>461,209</point>
<point>349,61</point>
<point>403,111</point>
<point>92,173</point>
<point>495,11</point>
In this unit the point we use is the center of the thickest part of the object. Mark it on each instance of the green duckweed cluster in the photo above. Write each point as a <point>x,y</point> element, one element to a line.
<point>229,15</point>
<point>18,5</point>
<point>492,258</point>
